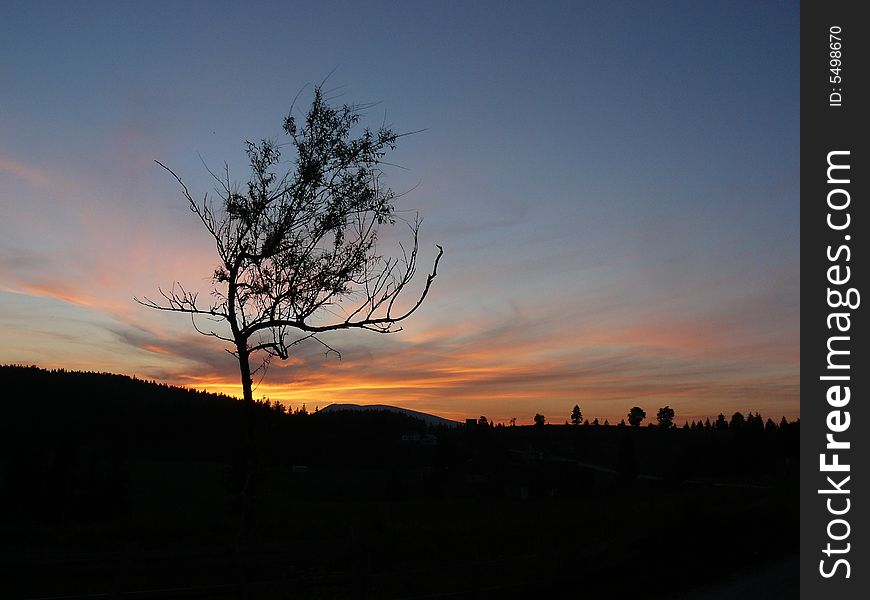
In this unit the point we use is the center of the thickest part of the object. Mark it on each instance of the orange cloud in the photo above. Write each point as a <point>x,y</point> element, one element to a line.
<point>514,380</point>
<point>454,360</point>
<point>56,290</point>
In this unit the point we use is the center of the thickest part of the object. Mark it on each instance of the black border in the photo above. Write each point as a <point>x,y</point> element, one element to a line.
<point>823,129</point>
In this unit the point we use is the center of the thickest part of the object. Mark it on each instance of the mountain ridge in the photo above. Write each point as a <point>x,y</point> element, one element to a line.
<point>427,418</point>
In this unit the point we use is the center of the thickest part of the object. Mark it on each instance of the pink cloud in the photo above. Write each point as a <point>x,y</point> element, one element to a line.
<point>31,175</point>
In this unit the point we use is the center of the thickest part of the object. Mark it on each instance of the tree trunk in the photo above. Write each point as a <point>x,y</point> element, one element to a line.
<point>249,448</point>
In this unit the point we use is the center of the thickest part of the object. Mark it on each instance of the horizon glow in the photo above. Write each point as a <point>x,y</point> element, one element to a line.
<point>616,189</point>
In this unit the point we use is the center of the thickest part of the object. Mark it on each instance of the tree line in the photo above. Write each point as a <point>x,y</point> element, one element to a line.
<point>665,420</point>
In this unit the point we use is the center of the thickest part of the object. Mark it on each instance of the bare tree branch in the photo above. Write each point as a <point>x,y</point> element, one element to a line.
<point>298,241</point>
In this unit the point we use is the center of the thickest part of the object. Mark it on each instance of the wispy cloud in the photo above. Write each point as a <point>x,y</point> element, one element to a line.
<point>32,175</point>
<point>503,368</point>
<point>542,344</point>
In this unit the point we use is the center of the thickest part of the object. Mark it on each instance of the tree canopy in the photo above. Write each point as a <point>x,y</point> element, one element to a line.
<point>297,242</point>
<point>636,415</point>
<point>665,417</point>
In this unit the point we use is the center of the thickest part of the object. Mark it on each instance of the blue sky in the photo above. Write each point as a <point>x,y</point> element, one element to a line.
<point>615,186</point>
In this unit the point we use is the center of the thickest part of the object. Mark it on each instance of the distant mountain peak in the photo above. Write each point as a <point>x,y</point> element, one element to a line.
<point>434,420</point>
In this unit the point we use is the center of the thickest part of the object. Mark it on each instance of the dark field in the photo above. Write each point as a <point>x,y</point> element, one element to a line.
<point>113,487</point>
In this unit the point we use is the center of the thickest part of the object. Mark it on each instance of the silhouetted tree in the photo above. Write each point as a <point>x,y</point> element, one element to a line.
<point>665,417</point>
<point>296,244</point>
<point>636,415</point>
<point>737,421</point>
<point>482,421</point>
<point>721,423</point>
<point>576,415</point>
<point>595,422</point>
<point>540,419</point>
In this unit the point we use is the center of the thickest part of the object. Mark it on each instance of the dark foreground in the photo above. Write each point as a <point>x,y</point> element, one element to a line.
<point>132,490</point>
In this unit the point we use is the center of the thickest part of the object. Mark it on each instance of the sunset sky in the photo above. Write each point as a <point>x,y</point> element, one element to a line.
<point>615,185</point>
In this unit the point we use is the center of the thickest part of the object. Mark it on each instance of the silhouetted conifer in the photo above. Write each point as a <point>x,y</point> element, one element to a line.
<point>576,415</point>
